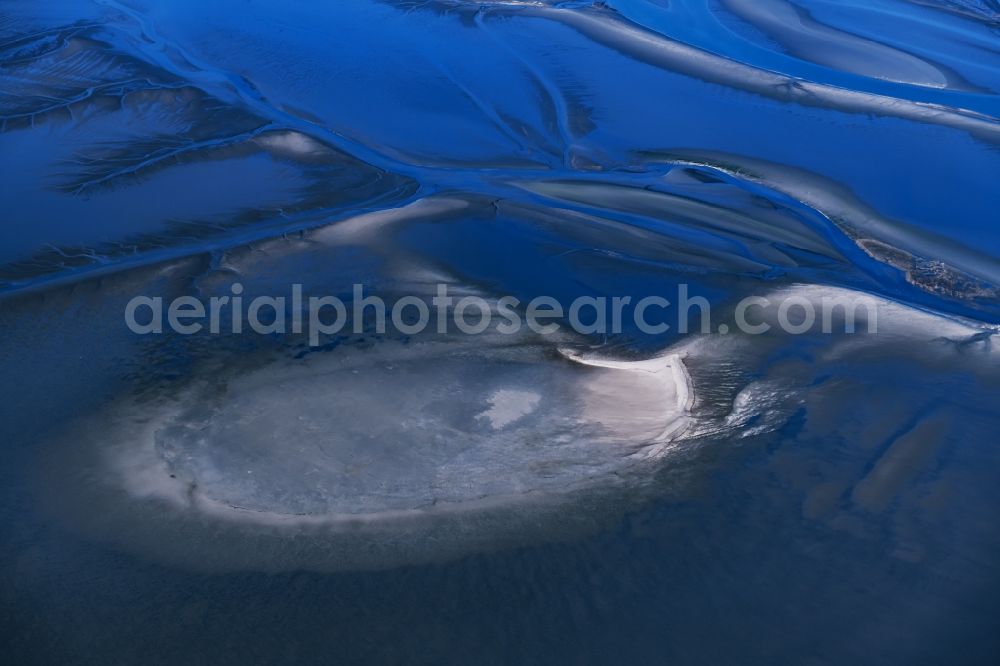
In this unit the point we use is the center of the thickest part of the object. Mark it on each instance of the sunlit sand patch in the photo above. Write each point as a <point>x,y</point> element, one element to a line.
<point>375,457</point>
<point>508,406</point>
<point>294,144</point>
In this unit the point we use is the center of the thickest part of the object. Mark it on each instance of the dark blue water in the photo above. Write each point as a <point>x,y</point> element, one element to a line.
<point>830,498</point>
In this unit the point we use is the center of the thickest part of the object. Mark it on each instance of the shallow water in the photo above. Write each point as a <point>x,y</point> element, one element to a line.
<point>429,498</point>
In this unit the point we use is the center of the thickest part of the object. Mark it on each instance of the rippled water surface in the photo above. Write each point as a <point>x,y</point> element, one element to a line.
<point>571,498</point>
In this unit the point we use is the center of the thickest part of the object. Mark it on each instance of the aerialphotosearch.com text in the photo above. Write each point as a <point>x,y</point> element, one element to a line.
<point>319,316</point>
